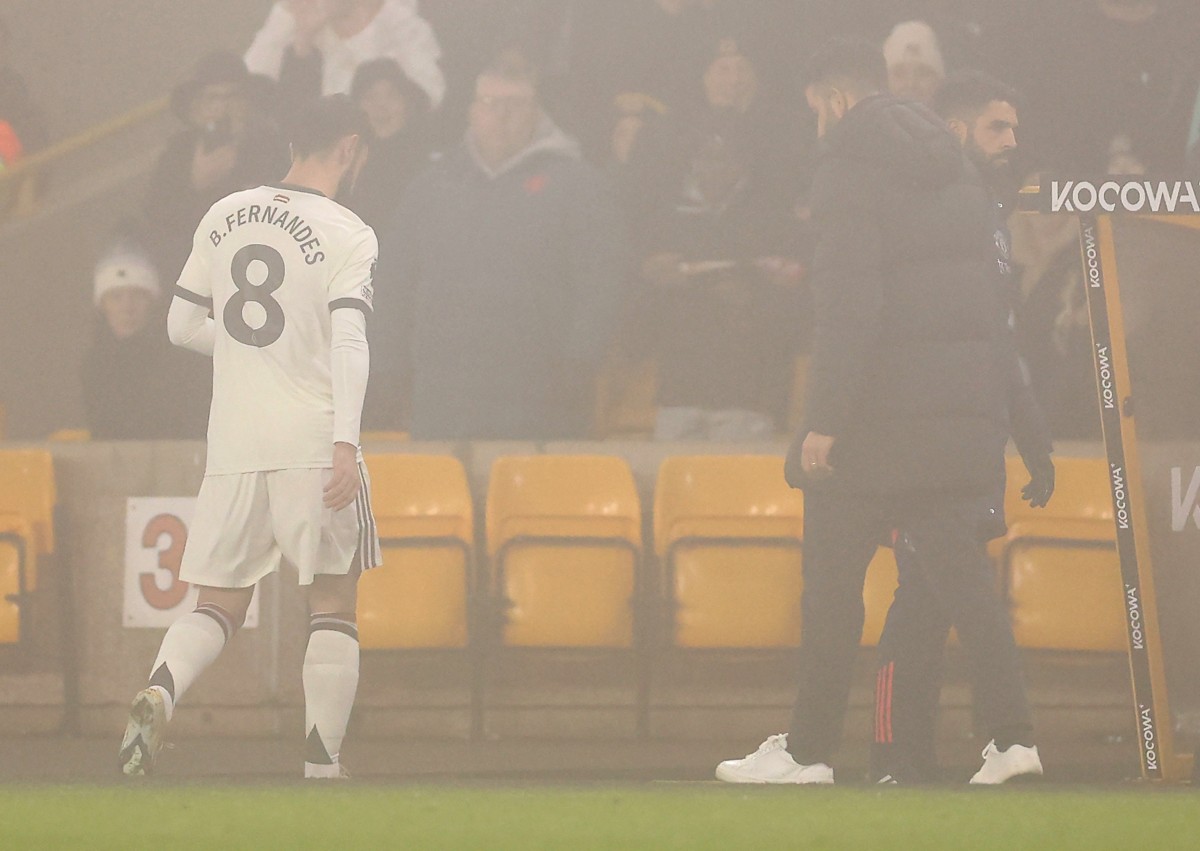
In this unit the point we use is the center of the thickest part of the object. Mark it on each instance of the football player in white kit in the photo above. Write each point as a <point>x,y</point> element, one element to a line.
<point>276,290</point>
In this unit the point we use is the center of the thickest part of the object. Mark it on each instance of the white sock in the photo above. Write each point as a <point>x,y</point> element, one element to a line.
<point>330,682</point>
<point>191,644</point>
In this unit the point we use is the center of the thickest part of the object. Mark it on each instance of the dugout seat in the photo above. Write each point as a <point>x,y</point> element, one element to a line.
<point>728,532</point>
<point>878,592</point>
<point>27,503</point>
<point>565,545</point>
<point>1061,570</point>
<point>421,596</point>
<point>564,539</point>
<point>626,394</point>
<point>70,435</point>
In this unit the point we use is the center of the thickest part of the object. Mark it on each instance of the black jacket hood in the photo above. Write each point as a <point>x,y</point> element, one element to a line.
<point>905,138</point>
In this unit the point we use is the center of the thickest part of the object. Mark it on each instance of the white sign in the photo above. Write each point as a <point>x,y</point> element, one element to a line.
<point>1185,504</point>
<point>156,529</point>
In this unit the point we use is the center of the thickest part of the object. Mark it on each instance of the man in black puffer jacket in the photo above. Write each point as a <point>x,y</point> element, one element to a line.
<point>906,411</point>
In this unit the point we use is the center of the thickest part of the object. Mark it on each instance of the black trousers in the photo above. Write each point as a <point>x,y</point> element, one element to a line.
<point>949,582</point>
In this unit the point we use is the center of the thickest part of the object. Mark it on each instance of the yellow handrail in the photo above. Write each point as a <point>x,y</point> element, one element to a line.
<point>86,139</point>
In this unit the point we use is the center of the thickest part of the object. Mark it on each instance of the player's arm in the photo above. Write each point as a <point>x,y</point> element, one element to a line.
<point>189,322</point>
<point>190,326</point>
<point>350,296</point>
<point>350,361</point>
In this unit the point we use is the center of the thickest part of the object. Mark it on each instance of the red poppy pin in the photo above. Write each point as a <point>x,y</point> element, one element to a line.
<point>534,184</point>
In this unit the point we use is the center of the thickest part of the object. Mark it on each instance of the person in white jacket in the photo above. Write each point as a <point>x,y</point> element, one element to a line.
<point>313,47</point>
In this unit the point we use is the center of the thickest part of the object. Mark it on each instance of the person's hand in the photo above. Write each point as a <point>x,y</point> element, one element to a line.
<point>1041,481</point>
<point>211,167</point>
<point>664,270</point>
<point>312,16</point>
<point>345,483</point>
<point>814,456</point>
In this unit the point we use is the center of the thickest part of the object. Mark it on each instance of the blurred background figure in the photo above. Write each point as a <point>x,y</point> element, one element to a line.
<point>135,385</point>
<point>635,52</point>
<point>723,311</point>
<point>725,100</point>
<point>313,47</point>
<point>500,279</point>
<point>226,144</point>
<point>399,144</point>
<point>1104,71</point>
<point>914,61</point>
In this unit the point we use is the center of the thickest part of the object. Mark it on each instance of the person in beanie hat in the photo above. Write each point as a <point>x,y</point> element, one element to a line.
<point>914,62</point>
<point>135,386</point>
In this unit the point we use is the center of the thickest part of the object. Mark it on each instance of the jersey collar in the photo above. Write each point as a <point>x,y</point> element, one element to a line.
<point>292,187</point>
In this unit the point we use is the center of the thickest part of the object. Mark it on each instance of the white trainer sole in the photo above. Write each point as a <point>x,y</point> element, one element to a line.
<point>143,734</point>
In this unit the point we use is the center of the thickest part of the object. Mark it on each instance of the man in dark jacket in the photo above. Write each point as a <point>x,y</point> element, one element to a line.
<point>982,114</point>
<point>508,260</point>
<point>906,413</point>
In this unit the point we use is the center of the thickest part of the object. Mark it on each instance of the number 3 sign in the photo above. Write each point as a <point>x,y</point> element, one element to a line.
<point>156,530</point>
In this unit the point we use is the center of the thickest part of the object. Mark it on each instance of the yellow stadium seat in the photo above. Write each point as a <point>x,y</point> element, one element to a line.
<point>626,398</point>
<point>878,592</point>
<point>421,596</point>
<point>564,537</point>
<point>799,390</point>
<point>12,557</point>
<point>728,531</point>
<point>385,437</point>
<point>27,502</point>
<point>1062,573</point>
<point>70,435</point>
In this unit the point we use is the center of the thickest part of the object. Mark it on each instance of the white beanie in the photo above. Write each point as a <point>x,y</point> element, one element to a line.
<point>914,41</point>
<point>125,267</point>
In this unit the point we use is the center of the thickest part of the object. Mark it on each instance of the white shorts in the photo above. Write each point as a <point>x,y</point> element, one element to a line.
<point>245,523</point>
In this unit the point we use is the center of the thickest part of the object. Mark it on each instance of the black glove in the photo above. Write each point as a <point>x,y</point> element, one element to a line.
<point>1041,481</point>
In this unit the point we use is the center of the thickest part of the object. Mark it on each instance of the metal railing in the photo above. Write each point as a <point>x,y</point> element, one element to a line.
<point>20,184</point>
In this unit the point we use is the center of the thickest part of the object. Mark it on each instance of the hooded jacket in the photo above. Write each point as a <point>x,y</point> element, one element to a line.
<point>499,292</point>
<point>911,357</point>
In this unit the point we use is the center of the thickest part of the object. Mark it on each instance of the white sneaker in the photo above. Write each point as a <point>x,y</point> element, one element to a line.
<point>143,733</point>
<point>336,771</point>
<point>771,763</point>
<point>1000,766</point>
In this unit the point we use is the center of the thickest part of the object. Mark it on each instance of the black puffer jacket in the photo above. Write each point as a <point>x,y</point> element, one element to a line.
<point>911,353</point>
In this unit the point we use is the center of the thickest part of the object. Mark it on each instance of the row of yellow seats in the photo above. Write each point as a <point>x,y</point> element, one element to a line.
<point>565,556</point>
<point>27,500</point>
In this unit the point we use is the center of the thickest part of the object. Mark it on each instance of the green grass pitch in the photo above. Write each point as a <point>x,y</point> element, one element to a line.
<point>653,817</point>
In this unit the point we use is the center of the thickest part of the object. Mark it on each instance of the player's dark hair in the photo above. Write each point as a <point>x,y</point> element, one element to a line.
<point>849,63</point>
<point>325,122</point>
<point>966,94</point>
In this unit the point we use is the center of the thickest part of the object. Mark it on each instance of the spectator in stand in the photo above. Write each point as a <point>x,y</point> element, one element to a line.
<point>723,304</point>
<point>914,61</point>
<point>314,47</point>
<point>135,385</point>
<point>398,147</point>
<point>636,52</point>
<point>725,101</point>
<point>22,129</point>
<point>506,265</point>
<point>1100,70</point>
<point>225,146</point>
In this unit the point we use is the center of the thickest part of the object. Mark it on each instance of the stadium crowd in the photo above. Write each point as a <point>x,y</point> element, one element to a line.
<point>578,202</point>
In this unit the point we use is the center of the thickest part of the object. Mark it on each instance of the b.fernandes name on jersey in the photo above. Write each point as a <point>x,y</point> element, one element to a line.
<point>294,225</point>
